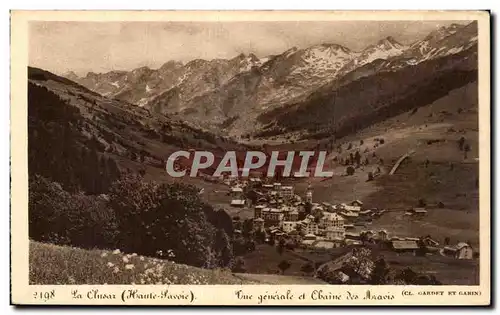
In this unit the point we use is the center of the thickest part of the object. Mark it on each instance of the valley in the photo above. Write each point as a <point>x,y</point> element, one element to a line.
<point>101,142</point>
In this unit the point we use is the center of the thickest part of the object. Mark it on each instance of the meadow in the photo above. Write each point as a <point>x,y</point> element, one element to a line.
<point>52,264</point>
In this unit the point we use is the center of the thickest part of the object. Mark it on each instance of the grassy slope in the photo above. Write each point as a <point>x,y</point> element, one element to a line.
<point>52,264</point>
<point>459,219</point>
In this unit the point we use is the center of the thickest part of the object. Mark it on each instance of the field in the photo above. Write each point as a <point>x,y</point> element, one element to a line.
<point>447,270</point>
<point>265,259</point>
<point>458,219</point>
<point>51,264</point>
<point>261,265</point>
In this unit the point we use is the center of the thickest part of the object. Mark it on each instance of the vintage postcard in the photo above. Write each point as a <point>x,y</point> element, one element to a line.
<point>250,158</point>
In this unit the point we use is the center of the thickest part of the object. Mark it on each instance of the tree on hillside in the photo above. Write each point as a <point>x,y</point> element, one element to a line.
<point>380,272</point>
<point>421,202</point>
<point>359,263</point>
<point>280,248</point>
<point>59,217</point>
<point>239,265</point>
<point>370,176</point>
<point>447,241</point>
<point>461,143</point>
<point>283,266</point>
<point>308,208</point>
<point>220,219</point>
<point>224,248</point>
<point>407,275</point>
<point>357,158</point>
<point>307,268</point>
<point>350,170</point>
<point>247,227</point>
<point>154,217</point>
<point>467,148</point>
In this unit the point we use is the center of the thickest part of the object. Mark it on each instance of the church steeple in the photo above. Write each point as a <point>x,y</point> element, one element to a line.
<point>309,194</point>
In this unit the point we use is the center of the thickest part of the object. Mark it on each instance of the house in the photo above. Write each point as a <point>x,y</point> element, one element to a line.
<point>428,241</point>
<point>326,245</point>
<point>277,186</point>
<point>294,235</point>
<point>464,251</point>
<point>357,203</point>
<point>416,239</point>
<point>383,235</point>
<point>342,277</point>
<point>289,226</point>
<point>258,224</point>
<point>309,225</point>
<point>310,237</point>
<point>335,233</point>
<point>351,242</point>
<point>404,246</point>
<point>418,211</point>
<point>308,240</point>
<point>460,251</point>
<point>272,216</point>
<point>332,220</point>
<point>349,215</point>
<point>365,213</point>
<point>292,214</point>
<point>349,226</point>
<point>262,200</point>
<point>352,208</point>
<point>238,203</point>
<point>236,190</point>
<point>368,234</point>
<point>352,236</point>
<point>287,192</point>
<point>257,211</point>
<point>327,205</point>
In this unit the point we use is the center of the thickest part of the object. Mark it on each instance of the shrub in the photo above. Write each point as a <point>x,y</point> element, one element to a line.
<point>239,265</point>
<point>350,170</point>
<point>370,176</point>
<point>421,202</point>
<point>284,265</point>
<point>307,267</point>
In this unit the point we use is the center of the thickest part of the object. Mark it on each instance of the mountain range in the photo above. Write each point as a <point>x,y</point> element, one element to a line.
<point>247,95</point>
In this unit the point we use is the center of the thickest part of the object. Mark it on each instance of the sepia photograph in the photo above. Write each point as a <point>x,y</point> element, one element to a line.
<point>329,152</point>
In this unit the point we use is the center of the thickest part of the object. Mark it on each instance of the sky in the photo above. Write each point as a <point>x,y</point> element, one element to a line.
<point>104,46</point>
